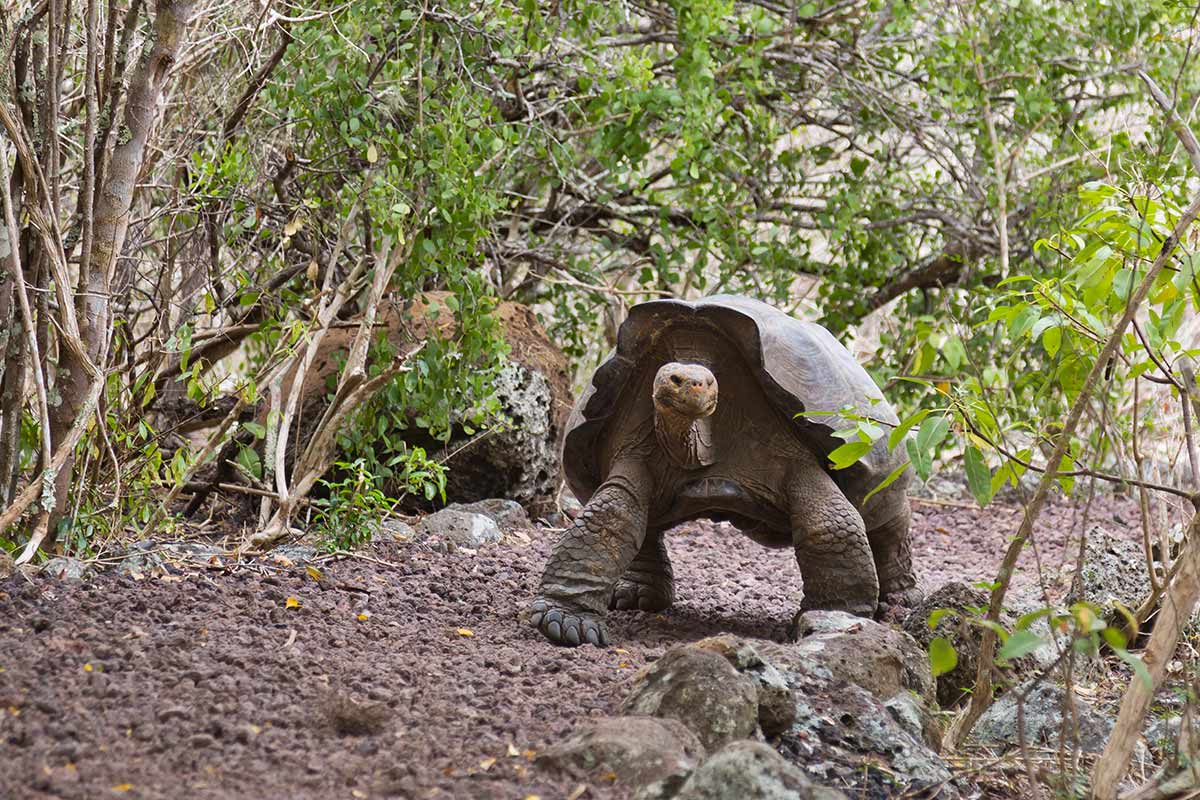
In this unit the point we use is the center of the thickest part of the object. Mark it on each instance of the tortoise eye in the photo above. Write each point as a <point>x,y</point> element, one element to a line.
<point>675,379</point>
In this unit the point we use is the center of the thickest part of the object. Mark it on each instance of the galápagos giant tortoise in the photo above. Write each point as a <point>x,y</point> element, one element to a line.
<point>649,446</point>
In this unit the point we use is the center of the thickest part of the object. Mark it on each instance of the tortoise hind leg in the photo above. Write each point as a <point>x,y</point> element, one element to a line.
<point>649,583</point>
<point>891,545</point>
<point>831,545</point>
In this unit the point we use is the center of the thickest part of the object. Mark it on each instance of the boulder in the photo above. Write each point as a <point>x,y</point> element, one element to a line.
<point>508,514</point>
<point>843,735</point>
<point>1163,734</point>
<point>639,750</point>
<point>517,457</point>
<point>776,703</point>
<point>460,528</point>
<point>749,770</point>
<point>140,558</point>
<point>66,568</point>
<point>396,531</point>
<point>701,689</point>
<point>1114,571</point>
<point>1043,717</point>
<point>914,716</point>
<point>952,686</point>
<point>880,659</point>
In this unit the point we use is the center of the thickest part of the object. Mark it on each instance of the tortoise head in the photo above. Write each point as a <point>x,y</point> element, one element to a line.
<point>687,390</point>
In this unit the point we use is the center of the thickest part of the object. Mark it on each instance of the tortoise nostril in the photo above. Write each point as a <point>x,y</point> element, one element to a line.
<point>675,379</point>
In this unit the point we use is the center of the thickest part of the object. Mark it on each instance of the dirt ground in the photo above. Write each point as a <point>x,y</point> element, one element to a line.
<point>403,673</point>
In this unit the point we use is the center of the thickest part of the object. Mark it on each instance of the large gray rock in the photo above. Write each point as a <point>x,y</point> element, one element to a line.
<point>66,568</point>
<point>1114,570</point>
<point>1042,711</point>
<point>509,515</point>
<point>966,639</point>
<point>517,458</point>
<point>702,690</point>
<point>776,703</point>
<point>461,528</point>
<point>639,750</point>
<point>843,735</point>
<point>751,771</point>
<point>1163,734</point>
<point>880,659</point>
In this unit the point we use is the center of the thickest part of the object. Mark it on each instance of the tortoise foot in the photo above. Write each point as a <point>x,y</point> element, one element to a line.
<point>905,598</point>
<point>851,600</point>
<point>633,596</point>
<point>894,606</point>
<point>567,626</point>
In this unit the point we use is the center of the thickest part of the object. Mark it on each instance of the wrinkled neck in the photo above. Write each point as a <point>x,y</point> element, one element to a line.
<point>687,441</point>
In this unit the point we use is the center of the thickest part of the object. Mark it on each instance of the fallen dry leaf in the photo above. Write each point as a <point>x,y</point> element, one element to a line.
<point>358,793</point>
<point>314,573</point>
<point>513,752</point>
<point>87,667</point>
<point>122,787</point>
<point>465,632</point>
<point>529,754</point>
<point>487,763</point>
<point>578,792</point>
<point>293,602</point>
<point>364,616</point>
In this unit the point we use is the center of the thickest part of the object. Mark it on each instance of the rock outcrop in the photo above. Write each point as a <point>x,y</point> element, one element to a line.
<point>953,687</point>
<point>518,460</point>
<point>637,750</point>
<point>702,690</point>
<point>790,720</point>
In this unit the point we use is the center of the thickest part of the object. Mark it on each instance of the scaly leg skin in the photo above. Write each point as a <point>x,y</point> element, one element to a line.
<point>831,546</point>
<point>649,583</point>
<point>592,554</point>
<point>892,546</point>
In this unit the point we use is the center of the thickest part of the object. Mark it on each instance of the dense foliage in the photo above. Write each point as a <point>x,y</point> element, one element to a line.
<point>990,174</point>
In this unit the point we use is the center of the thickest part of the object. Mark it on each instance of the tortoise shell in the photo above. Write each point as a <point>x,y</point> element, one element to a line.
<point>799,366</point>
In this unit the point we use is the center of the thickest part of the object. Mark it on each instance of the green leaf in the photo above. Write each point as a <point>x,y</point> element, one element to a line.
<point>979,477</point>
<point>942,657</point>
<point>899,432</point>
<point>954,352</point>
<point>932,431</point>
<point>1052,340</point>
<point>256,430</point>
<point>888,481</point>
<point>938,614</point>
<point>848,454</point>
<point>1021,643</point>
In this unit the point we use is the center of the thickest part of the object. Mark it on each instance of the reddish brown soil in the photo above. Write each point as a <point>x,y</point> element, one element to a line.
<point>206,685</point>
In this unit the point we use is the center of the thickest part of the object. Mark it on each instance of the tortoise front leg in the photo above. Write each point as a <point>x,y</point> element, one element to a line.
<point>649,583</point>
<point>589,558</point>
<point>831,546</point>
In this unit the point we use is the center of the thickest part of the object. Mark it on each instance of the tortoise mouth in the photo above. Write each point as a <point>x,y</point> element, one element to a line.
<point>687,406</point>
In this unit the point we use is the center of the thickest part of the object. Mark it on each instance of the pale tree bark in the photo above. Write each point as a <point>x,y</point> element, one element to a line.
<point>1176,609</point>
<point>1183,590</point>
<point>78,372</point>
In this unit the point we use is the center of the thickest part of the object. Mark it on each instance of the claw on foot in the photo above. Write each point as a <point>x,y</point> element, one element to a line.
<point>567,626</point>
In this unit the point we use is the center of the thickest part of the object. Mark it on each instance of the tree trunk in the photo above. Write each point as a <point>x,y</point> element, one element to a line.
<point>114,196</point>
